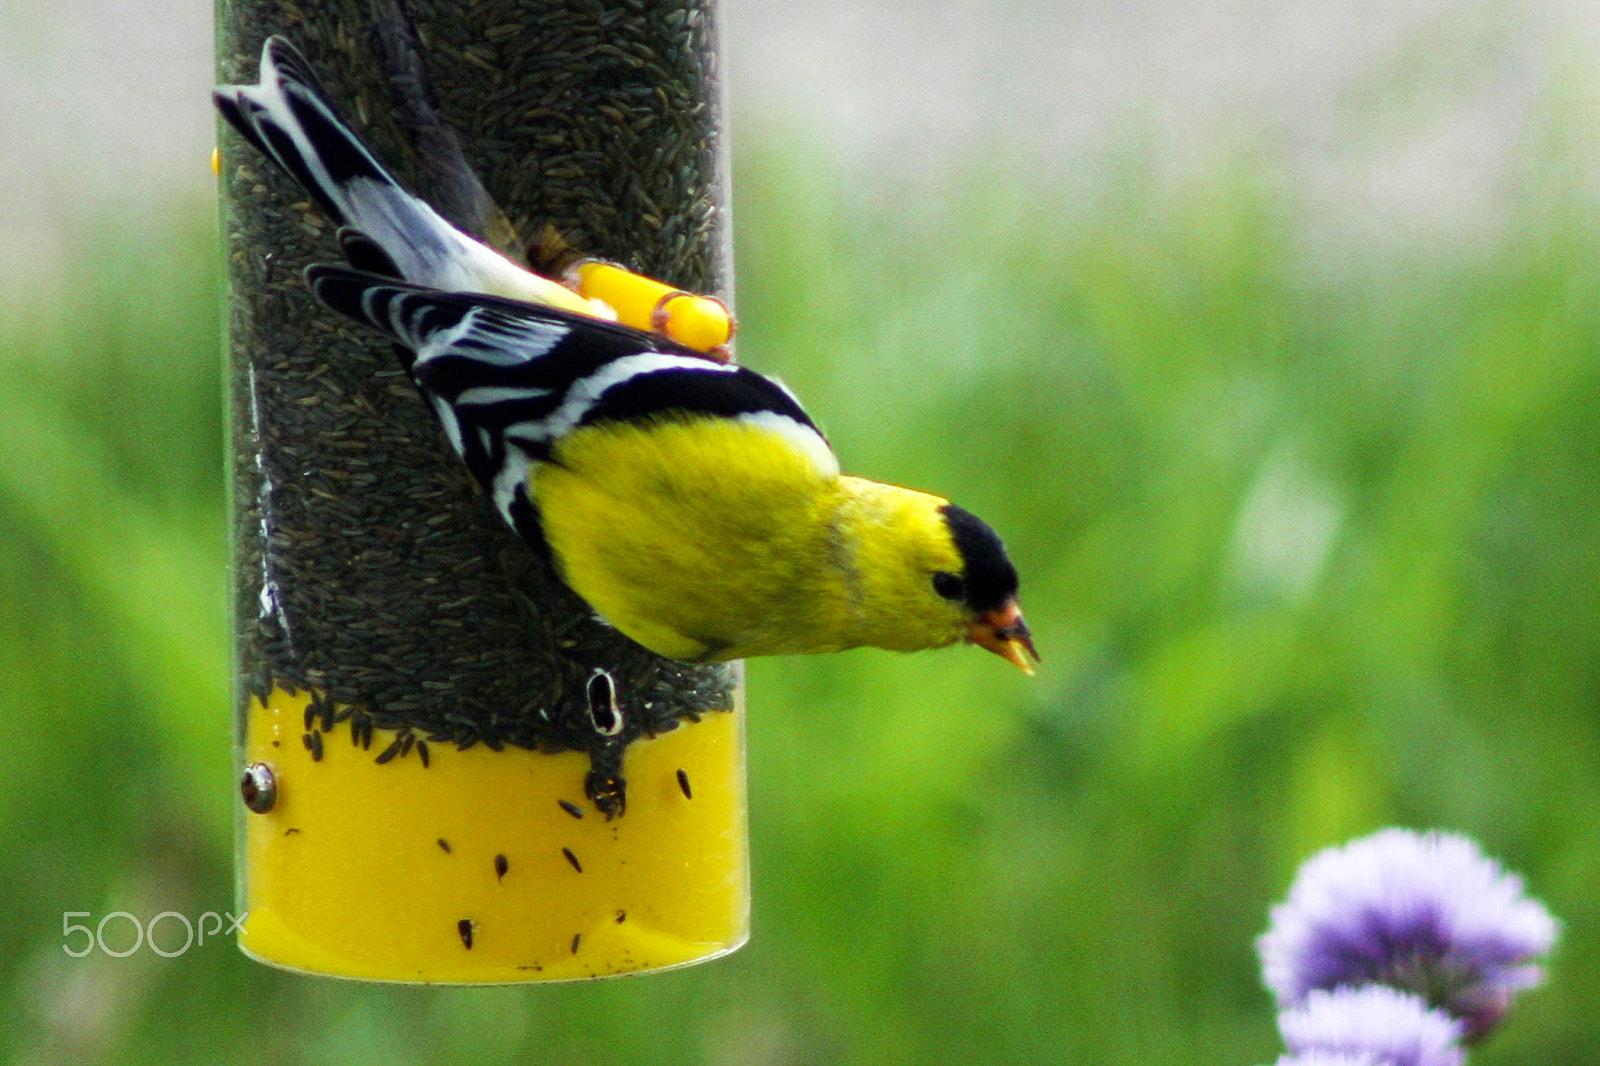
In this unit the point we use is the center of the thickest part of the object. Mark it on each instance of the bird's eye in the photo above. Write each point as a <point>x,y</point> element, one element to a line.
<point>949,585</point>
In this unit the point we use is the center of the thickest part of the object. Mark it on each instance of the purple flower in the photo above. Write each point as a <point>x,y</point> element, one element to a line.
<point>1423,912</point>
<point>1392,1028</point>
<point>1328,1058</point>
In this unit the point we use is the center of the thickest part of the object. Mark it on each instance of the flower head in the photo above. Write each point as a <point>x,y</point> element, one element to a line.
<point>1424,912</point>
<point>1392,1028</point>
<point>1328,1058</point>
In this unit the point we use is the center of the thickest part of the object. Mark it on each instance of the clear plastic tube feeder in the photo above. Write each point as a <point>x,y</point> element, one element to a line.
<point>449,769</point>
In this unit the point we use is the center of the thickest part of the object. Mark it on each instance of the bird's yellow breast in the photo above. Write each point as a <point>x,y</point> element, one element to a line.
<point>699,538</point>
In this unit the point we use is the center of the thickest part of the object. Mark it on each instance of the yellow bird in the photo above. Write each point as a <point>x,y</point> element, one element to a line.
<point>693,504</point>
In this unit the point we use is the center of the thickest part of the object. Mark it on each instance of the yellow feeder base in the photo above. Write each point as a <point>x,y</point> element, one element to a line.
<point>472,871</point>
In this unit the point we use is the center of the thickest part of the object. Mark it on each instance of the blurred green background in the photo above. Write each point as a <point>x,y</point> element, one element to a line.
<point>1303,490</point>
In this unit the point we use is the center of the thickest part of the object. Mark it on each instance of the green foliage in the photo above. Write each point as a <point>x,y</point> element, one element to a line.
<point>1309,548</point>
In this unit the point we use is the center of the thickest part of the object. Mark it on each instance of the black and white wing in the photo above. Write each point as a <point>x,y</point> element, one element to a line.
<point>509,379</point>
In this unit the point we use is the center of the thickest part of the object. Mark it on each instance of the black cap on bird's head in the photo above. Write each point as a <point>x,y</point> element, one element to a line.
<point>987,586</point>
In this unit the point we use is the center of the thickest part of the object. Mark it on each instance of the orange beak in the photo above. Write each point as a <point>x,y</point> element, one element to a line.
<point>1003,632</point>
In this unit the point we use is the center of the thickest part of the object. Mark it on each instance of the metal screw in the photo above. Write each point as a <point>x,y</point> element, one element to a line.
<point>259,787</point>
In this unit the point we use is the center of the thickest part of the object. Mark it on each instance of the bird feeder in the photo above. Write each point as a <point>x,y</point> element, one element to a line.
<point>449,769</point>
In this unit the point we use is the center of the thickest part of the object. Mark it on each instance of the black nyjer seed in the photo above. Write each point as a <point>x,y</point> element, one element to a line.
<point>501,865</point>
<point>573,859</point>
<point>683,784</point>
<point>464,929</point>
<point>571,808</point>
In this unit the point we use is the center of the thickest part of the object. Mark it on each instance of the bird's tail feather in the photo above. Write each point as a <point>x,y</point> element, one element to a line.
<point>288,116</point>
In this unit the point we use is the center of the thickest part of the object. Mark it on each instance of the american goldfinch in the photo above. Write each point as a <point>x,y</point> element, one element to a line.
<point>693,504</point>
